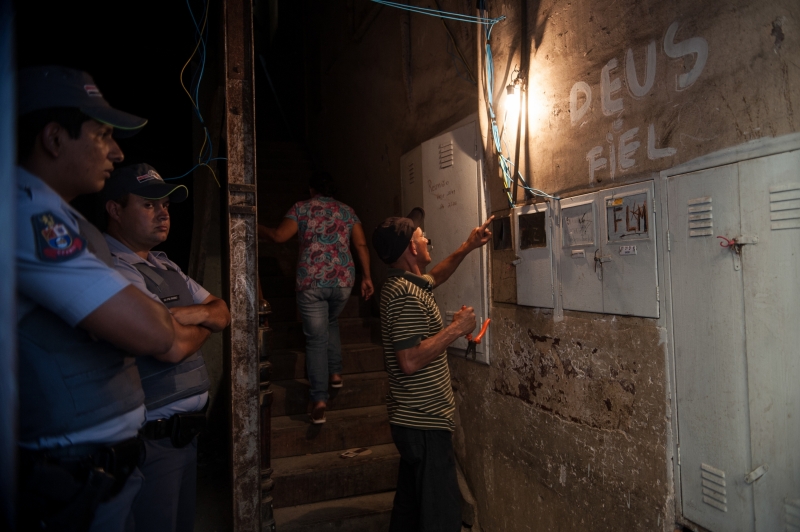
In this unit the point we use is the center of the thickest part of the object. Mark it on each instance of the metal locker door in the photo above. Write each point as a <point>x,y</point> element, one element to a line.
<point>453,205</point>
<point>709,342</point>
<point>411,179</point>
<point>581,284</point>
<point>770,206</point>
<point>533,244</point>
<point>630,274</point>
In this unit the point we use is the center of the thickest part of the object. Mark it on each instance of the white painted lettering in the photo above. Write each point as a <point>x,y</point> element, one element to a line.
<point>612,164</point>
<point>595,162</point>
<point>575,112</point>
<point>636,90</point>
<point>696,45</point>
<point>654,153</point>
<point>608,88</point>
<point>627,147</point>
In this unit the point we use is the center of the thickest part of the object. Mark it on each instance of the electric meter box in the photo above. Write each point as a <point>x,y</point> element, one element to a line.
<point>533,242</point>
<point>608,252</point>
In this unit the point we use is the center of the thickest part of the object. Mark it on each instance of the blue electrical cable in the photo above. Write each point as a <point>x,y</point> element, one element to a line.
<point>206,154</point>
<point>441,14</point>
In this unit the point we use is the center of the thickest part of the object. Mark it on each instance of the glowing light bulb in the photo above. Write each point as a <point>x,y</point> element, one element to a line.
<point>512,101</point>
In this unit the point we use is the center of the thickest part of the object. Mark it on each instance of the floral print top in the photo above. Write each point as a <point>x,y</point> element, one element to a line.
<point>324,226</point>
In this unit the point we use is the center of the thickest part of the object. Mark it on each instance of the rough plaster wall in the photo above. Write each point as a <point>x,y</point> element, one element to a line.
<point>368,119</point>
<point>567,428</point>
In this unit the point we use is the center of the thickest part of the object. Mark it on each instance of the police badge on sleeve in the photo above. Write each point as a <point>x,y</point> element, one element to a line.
<point>55,242</point>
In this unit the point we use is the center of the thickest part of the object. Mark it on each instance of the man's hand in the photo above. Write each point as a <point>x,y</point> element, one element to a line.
<point>477,238</point>
<point>212,314</point>
<point>464,320</point>
<point>480,235</point>
<point>367,289</point>
<point>190,315</point>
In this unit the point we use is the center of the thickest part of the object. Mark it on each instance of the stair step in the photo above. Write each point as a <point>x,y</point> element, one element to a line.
<point>354,427</point>
<point>291,397</point>
<point>327,476</point>
<point>289,364</point>
<point>366,513</point>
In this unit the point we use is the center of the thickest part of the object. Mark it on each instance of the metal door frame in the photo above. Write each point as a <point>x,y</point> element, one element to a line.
<point>736,154</point>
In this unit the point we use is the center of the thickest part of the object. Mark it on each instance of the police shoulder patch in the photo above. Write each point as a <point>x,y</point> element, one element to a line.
<point>55,242</point>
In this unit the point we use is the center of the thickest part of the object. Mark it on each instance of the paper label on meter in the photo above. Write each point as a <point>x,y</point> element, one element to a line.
<point>627,250</point>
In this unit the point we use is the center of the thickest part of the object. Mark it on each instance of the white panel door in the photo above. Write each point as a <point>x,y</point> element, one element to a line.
<point>411,179</point>
<point>709,341</point>
<point>533,244</point>
<point>630,274</point>
<point>581,279</point>
<point>453,201</point>
<point>770,207</point>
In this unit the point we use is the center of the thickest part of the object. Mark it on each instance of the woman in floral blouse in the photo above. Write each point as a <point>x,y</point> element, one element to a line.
<point>325,278</point>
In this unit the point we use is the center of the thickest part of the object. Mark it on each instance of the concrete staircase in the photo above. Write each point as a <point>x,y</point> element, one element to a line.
<point>315,488</point>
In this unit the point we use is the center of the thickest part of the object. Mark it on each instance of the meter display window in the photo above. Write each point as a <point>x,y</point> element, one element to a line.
<point>532,232</point>
<point>501,233</point>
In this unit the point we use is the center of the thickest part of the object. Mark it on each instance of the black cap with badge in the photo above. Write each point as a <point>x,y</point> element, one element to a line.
<point>47,87</point>
<point>391,238</point>
<point>142,180</point>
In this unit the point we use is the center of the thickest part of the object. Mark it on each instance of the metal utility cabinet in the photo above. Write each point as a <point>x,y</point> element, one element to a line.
<point>736,331</point>
<point>443,176</point>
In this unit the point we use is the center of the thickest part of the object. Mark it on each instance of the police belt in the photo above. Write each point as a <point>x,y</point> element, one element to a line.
<point>180,428</point>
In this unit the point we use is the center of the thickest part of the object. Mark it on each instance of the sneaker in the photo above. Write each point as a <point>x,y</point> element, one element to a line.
<point>336,381</point>
<point>317,414</point>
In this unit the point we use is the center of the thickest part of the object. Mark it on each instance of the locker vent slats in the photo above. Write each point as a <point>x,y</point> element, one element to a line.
<point>411,173</point>
<point>445,155</point>
<point>701,221</point>
<point>792,507</point>
<point>784,206</point>
<point>714,490</point>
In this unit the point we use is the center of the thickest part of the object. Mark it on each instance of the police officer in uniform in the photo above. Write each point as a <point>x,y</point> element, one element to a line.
<point>79,321</point>
<point>176,391</point>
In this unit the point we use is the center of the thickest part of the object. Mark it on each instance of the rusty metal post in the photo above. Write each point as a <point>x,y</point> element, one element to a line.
<point>265,377</point>
<point>241,258</point>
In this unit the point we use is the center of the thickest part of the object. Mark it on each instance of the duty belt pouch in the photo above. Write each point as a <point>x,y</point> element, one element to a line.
<point>186,426</point>
<point>62,492</point>
<point>119,461</point>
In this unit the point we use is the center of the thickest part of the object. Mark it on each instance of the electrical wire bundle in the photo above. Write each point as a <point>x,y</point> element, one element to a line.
<point>206,154</point>
<point>497,136</point>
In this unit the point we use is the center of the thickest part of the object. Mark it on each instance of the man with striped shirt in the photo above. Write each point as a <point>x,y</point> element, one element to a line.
<point>420,400</point>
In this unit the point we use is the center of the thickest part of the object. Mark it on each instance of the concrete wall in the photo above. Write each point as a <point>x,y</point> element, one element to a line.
<point>569,427</point>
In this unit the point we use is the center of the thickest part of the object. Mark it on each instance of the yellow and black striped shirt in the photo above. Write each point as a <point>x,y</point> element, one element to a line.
<point>409,315</point>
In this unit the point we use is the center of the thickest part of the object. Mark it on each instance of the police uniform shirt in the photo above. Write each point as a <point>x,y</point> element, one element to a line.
<point>56,271</point>
<point>124,259</point>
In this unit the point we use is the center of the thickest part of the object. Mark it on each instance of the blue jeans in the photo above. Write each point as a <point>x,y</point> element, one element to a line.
<point>320,309</point>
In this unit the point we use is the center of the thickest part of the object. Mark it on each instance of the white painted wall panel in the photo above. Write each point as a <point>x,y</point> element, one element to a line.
<point>449,186</point>
<point>770,209</point>
<point>533,236</point>
<point>630,274</point>
<point>581,283</point>
<point>710,361</point>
